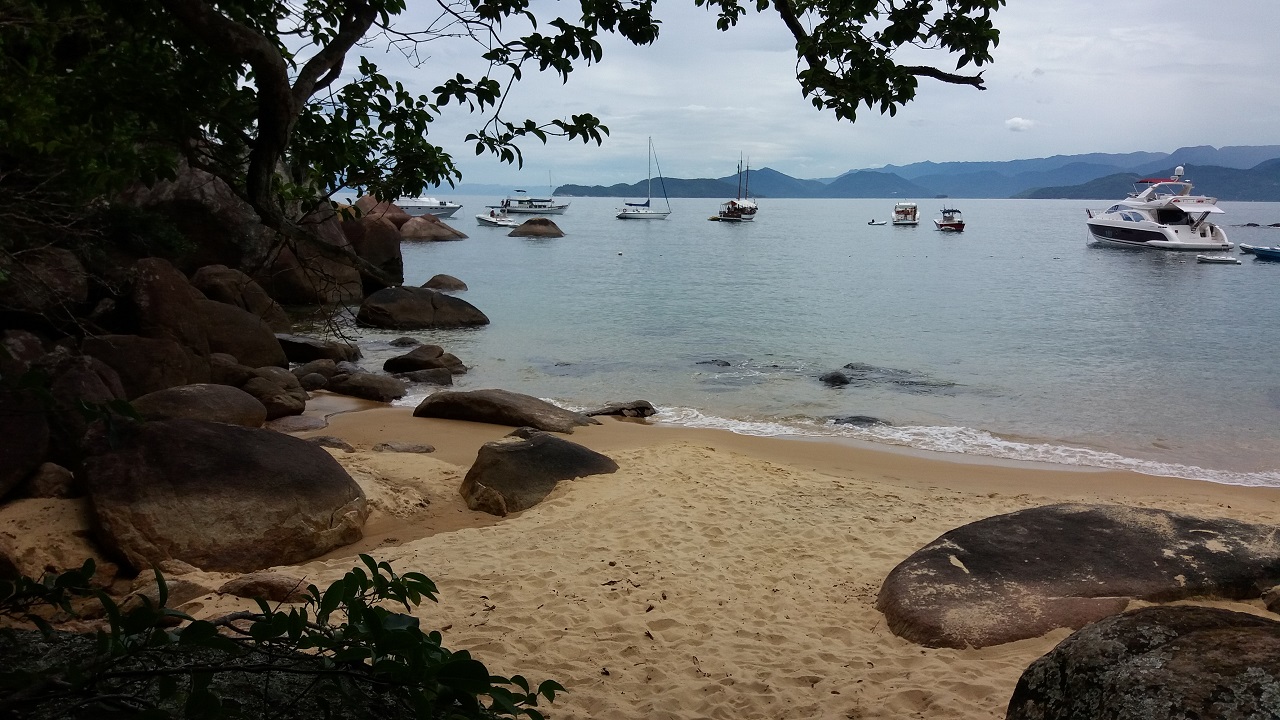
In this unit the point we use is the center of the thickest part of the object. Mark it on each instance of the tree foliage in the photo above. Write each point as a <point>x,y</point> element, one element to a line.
<point>348,651</point>
<point>261,93</point>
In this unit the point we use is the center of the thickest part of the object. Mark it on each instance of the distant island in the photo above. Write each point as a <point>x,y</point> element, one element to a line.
<point>1249,173</point>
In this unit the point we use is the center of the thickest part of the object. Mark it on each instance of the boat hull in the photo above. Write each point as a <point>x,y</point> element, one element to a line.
<point>643,214</point>
<point>490,221</point>
<point>1267,253</point>
<point>949,227</point>
<point>1120,236</point>
<point>551,210</point>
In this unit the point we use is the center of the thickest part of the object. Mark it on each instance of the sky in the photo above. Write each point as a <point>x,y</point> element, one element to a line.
<point>1069,77</point>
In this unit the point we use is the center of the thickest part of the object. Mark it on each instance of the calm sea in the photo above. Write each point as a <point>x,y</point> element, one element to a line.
<point>1013,339</point>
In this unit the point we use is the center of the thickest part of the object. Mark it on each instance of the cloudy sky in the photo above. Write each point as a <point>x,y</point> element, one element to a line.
<point>1070,76</point>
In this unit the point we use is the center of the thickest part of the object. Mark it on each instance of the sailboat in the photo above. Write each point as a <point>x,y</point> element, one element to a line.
<point>644,210</point>
<point>741,209</point>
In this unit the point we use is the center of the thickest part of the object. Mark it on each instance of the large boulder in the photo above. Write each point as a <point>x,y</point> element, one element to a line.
<point>315,271</point>
<point>146,364</point>
<point>168,306</point>
<point>47,281</point>
<point>377,241</point>
<point>24,436</point>
<point>300,349</point>
<point>1158,663</point>
<point>79,385</point>
<point>631,409</point>
<point>216,403</point>
<point>429,227</point>
<point>370,386</point>
<point>18,349</point>
<point>425,357</point>
<point>537,227</point>
<point>226,285</point>
<point>374,209</point>
<point>410,308</point>
<point>517,472</point>
<point>220,497</point>
<point>501,407</point>
<point>241,334</point>
<point>1023,574</point>
<point>448,283</point>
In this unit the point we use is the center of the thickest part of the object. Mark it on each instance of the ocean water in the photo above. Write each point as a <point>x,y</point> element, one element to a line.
<point>1014,339</point>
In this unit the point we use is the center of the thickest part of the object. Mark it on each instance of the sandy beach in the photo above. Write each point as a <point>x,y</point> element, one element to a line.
<point>714,575</point>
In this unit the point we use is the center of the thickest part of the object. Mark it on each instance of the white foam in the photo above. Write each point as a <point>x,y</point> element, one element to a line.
<point>966,441</point>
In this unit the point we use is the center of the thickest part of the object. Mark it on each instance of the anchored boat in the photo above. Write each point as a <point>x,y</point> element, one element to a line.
<point>1163,215</point>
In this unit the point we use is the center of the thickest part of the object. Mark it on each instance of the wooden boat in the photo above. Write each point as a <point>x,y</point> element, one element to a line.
<point>1220,259</point>
<point>741,208</point>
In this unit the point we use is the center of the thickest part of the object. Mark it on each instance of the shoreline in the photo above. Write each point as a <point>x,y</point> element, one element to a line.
<point>715,574</point>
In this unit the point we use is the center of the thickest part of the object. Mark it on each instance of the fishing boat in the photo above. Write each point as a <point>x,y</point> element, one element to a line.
<point>1266,253</point>
<point>496,218</point>
<point>1163,215</point>
<point>951,220</point>
<point>428,206</point>
<point>523,204</point>
<point>645,210</point>
<point>1218,259</point>
<point>741,208</point>
<point>906,213</point>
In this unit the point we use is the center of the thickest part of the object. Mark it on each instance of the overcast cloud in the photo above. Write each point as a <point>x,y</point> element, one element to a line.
<point>1069,77</point>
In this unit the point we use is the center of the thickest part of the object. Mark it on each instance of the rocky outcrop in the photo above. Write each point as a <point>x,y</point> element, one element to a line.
<point>240,334</point>
<point>409,308</point>
<point>80,385</point>
<point>633,409</point>
<point>46,281</point>
<point>447,283</point>
<point>425,357</point>
<point>309,275</point>
<point>278,390</point>
<point>372,209</point>
<point>220,497</point>
<point>437,376</point>
<point>300,349</point>
<point>1020,575</point>
<point>145,364</point>
<point>1158,663</point>
<point>429,227</point>
<point>501,407</point>
<point>379,388</point>
<point>168,308</point>
<point>225,285</point>
<point>517,472</point>
<point>215,403</point>
<point>50,480</point>
<point>271,586</point>
<point>537,227</point>
<point>377,241</point>
<point>24,437</point>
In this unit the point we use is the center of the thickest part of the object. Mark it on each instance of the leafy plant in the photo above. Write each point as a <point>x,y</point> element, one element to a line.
<point>351,650</point>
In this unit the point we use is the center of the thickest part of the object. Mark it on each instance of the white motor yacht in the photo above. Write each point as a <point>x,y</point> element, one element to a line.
<point>1163,215</point>
<point>522,203</point>
<point>906,213</point>
<point>428,206</point>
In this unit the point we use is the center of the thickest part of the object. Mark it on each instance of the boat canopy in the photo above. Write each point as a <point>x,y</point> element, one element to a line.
<point>1195,205</point>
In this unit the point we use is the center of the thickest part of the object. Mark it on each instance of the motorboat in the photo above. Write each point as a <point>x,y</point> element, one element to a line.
<point>906,213</point>
<point>428,206</point>
<point>497,218</point>
<point>951,220</point>
<point>877,222</point>
<point>645,210</point>
<point>1246,249</point>
<point>1163,214</point>
<point>523,204</point>
<point>741,208</point>
<point>1218,259</point>
<point>1267,253</point>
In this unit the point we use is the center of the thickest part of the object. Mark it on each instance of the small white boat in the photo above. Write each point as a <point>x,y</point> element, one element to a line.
<point>951,220</point>
<point>428,206</point>
<point>877,222</point>
<point>497,218</point>
<point>1220,259</point>
<point>906,213</point>
<point>1163,215</point>
<point>1246,249</point>
<point>523,204</point>
<point>645,210</point>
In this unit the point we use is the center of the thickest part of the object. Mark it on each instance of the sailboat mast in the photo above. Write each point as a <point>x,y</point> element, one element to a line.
<point>739,177</point>
<point>648,190</point>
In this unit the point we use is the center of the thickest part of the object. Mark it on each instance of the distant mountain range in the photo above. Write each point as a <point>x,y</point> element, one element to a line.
<point>1228,173</point>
